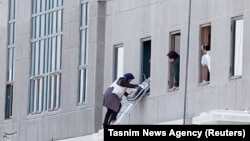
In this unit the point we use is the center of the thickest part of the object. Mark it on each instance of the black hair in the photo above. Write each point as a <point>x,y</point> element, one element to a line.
<point>172,55</point>
<point>206,47</point>
<point>129,76</point>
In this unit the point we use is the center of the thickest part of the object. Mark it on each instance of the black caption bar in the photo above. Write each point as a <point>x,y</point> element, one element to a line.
<point>177,132</point>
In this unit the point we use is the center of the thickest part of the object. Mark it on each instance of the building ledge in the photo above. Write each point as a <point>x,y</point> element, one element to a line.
<point>218,117</point>
<point>223,117</point>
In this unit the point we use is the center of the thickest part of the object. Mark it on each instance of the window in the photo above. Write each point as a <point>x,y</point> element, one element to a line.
<point>10,59</point>
<point>175,41</point>
<point>83,62</point>
<point>146,58</point>
<point>46,44</point>
<point>118,61</point>
<point>204,58</point>
<point>236,47</point>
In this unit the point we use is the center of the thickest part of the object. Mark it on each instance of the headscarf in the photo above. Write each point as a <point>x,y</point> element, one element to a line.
<point>129,76</point>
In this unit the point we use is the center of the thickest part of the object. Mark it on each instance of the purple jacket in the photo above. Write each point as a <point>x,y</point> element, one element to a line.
<point>111,100</point>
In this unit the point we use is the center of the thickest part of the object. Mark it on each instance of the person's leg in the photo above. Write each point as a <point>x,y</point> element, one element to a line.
<point>114,114</point>
<point>107,116</point>
<point>208,76</point>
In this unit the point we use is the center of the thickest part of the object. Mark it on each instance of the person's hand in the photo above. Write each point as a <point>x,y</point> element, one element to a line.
<point>202,47</point>
<point>148,79</point>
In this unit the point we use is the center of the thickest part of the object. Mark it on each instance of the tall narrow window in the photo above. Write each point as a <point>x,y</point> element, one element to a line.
<point>46,44</point>
<point>146,58</point>
<point>10,59</point>
<point>236,47</point>
<point>118,60</point>
<point>83,61</point>
<point>175,41</point>
<point>204,49</point>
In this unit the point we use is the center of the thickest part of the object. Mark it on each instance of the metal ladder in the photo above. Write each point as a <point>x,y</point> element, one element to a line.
<point>132,102</point>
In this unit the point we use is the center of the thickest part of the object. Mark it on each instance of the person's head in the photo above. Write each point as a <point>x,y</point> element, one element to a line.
<point>205,48</point>
<point>172,55</point>
<point>129,76</point>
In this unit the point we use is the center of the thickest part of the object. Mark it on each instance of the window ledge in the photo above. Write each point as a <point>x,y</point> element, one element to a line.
<point>173,89</point>
<point>235,77</point>
<point>204,83</point>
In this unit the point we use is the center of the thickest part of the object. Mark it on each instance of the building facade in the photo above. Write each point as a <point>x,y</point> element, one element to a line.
<point>148,29</point>
<point>58,56</point>
<point>51,69</point>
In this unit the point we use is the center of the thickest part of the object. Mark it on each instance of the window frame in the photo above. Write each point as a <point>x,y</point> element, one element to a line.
<point>118,64</point>
<point>145,58</point>
<point>83,51</point>
<point>175,47</point>
<point>46,53</point>
<point>232,74</point>
<point>10,59</point>
<point>205,37</point>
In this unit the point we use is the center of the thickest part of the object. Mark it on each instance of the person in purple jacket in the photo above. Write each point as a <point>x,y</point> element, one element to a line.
<point>113,96</point>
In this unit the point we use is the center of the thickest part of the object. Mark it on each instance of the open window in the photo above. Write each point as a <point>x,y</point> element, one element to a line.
<point>175,41</point>
<point>118,60</point>
<point>205,40</point>
<point>236,47</point>
<point>146,58</point>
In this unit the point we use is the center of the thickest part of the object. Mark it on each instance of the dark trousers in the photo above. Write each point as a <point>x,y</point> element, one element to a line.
<point>110,116</point>
<point>208,76</point>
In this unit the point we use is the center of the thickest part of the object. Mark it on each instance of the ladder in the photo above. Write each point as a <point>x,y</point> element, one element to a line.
<point>132,100</point>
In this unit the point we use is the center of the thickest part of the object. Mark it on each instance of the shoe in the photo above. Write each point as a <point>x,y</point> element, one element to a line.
<point>204,82</point>
<point>174,88</point>
<point>112,122</point>
<point>147,94</point>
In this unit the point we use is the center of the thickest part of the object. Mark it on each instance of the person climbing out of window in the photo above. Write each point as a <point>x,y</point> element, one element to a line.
<point>113,96</point>
<point>174,60</point>
<point>205,59</point>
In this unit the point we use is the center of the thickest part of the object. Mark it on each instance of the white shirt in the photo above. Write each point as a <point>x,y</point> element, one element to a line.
<point>205,60</point>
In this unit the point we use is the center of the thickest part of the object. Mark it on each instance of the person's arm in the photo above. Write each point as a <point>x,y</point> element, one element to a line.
<point>125,83</point>
<point>128,85</point>
<point>176,68</point>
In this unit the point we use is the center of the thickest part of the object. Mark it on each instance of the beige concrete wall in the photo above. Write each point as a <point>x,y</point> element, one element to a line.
<point>129,22</point>
<point>71,120</point>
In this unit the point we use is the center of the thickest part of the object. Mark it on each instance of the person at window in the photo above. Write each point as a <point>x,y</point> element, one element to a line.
<point>174,60</point>
<point>113,96</point>
<point>205,59</point>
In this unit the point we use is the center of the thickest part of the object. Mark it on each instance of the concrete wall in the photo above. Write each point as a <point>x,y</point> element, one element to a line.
<point>71,120</point>
<point>129,21</point>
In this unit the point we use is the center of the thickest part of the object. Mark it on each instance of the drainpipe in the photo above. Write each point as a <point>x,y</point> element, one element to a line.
<point>187,60</point>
